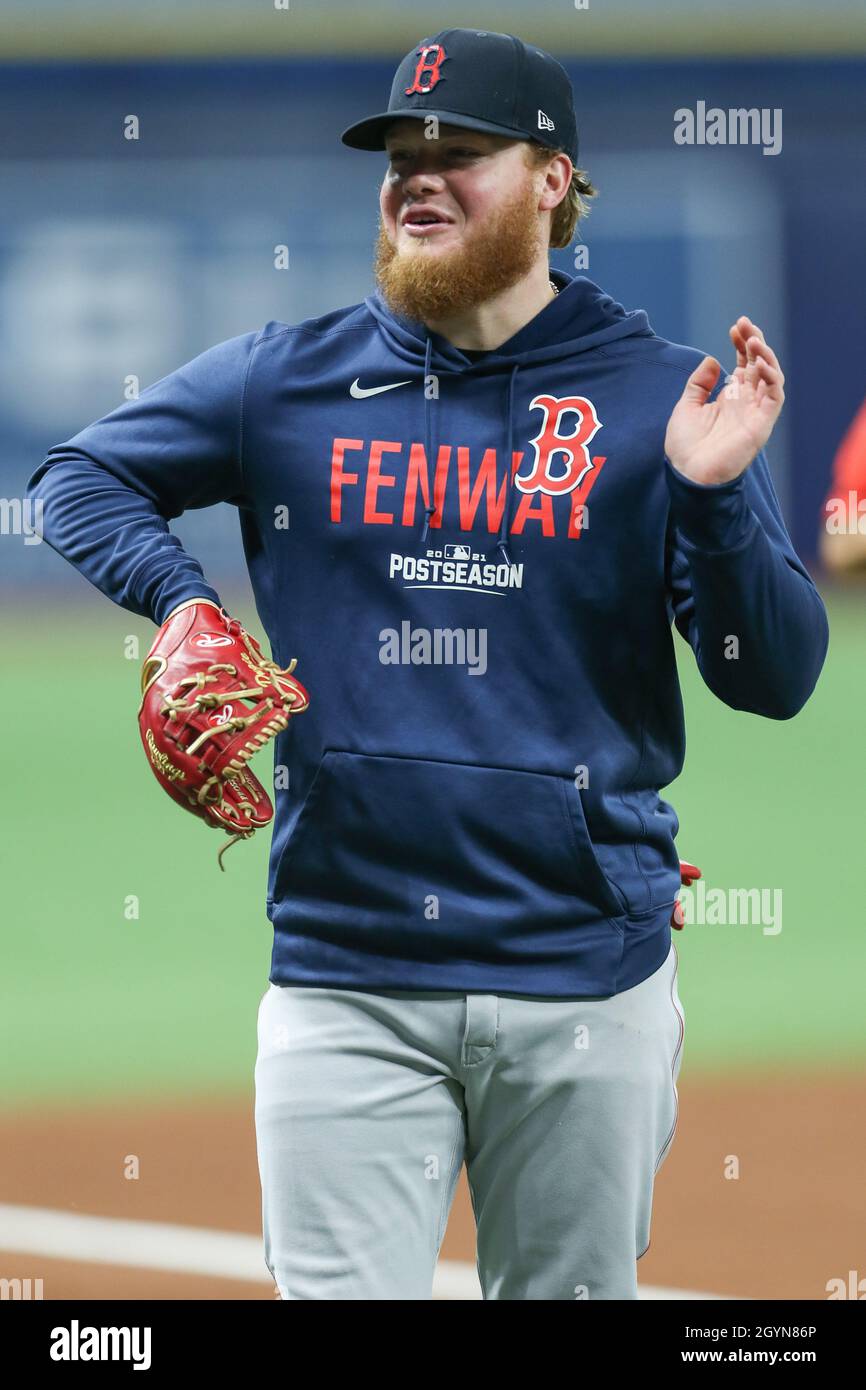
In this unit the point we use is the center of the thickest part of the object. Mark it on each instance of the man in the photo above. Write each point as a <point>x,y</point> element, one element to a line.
<point>503,488</point>
<point>842,537</point>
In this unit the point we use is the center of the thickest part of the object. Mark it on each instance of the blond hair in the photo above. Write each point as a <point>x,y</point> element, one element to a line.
<point>574,205</point>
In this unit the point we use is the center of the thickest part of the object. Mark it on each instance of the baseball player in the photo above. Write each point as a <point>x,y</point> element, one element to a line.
<point>502,491</point>
<point>842,537</point>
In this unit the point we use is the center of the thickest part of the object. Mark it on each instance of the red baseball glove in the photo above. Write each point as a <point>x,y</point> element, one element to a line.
<point>209,701</point>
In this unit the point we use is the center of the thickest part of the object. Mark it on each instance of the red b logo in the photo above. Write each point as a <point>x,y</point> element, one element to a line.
<point>549,441</point>
<point>426,64</point>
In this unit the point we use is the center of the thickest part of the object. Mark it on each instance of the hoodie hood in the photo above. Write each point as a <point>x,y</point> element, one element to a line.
<point>581,317</point>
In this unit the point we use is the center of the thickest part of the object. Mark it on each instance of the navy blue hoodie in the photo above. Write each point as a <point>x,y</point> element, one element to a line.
<point>473,795</point>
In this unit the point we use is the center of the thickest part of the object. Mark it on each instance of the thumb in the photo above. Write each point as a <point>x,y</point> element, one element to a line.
<point>702,381</point>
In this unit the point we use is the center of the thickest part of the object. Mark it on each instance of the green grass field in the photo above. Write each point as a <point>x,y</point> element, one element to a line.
<point>97,1005</point>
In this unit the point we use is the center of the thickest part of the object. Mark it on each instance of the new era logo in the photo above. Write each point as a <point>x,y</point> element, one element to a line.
<point>544,122</point>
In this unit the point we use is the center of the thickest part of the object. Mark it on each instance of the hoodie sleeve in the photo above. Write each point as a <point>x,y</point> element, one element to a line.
<point>734,574</point>
<point>108,493</point>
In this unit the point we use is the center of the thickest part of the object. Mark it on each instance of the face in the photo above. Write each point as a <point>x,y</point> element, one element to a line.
<point>459,219</point>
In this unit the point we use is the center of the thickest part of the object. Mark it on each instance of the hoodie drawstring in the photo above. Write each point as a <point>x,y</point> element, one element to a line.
<point>429,510</point>
<point>502,542</point>
<point>431,471</point>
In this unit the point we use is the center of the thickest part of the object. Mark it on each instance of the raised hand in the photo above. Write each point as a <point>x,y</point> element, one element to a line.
<point>716,441</point>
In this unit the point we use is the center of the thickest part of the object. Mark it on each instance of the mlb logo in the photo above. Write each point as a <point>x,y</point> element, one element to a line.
<point>458,552</point>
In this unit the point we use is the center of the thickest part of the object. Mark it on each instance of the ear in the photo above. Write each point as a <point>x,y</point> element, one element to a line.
<point>557,181</point>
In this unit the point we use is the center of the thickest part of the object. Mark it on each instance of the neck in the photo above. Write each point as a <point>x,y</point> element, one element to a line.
<point>492,323</point>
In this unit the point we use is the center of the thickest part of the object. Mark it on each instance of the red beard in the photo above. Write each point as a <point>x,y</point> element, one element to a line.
<point>431,286</point>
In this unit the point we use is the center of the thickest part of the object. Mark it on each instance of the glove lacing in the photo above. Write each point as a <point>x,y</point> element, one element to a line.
<point>211,791</point>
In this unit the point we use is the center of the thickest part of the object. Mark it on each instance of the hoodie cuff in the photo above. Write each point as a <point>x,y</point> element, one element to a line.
<point>183,593</point>
<point>710,516</point>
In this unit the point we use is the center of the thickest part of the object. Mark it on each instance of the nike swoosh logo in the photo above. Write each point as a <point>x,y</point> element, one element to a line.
<point>359,392</point>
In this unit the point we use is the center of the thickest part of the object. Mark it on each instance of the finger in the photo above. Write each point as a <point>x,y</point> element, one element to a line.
<point>762,349</point>
<point>739,343</point>
<point>770,380</point>
<point>702,380</point>
<point>757,364</point>
<point>749,328</point>
<point>768,389</point>
<point>765,367</point>
<point>753,338</point>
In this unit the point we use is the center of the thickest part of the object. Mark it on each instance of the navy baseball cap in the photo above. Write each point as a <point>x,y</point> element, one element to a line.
<point>483,81</point>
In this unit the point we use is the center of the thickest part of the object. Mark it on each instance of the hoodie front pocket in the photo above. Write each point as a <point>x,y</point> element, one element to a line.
<point>402,841</point>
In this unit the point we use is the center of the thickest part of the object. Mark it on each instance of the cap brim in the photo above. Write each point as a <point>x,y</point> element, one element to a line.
<point>370,134</point>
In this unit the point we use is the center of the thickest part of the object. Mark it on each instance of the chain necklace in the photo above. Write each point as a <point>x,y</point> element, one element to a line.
<point>555,288</point>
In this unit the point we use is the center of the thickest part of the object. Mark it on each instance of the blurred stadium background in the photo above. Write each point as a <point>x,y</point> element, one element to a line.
<point>136,1036</point>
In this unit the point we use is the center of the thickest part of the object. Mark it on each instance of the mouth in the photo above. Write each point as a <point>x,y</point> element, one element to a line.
<point>425,229</point>
<point>422,222</point>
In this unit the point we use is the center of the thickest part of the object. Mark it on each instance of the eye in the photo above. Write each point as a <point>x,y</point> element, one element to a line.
<point>461,152</point>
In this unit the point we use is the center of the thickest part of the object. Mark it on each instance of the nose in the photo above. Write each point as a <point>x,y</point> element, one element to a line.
<point>418,191</point>
<point>421,175</point>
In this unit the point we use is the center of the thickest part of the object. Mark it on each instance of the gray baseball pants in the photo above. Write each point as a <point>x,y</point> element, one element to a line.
<point>368,1103</point>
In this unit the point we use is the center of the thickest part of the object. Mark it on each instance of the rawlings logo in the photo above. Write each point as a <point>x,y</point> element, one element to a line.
<point>210,639</point>
<point>222,716</point>
<point>161,762</point>
<point>262,678</point>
